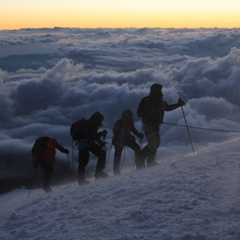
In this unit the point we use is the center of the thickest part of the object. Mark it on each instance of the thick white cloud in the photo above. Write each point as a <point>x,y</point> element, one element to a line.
<point>52,77</point>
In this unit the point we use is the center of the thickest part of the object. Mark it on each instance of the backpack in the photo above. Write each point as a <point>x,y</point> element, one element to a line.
<point>40,146</point>
<point>76,129</point>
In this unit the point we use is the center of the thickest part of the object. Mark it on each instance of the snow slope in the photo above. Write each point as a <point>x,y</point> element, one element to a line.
<point>192,197</point>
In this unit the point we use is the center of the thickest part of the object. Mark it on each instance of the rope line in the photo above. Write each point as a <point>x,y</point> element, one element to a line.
<point>201,128</point>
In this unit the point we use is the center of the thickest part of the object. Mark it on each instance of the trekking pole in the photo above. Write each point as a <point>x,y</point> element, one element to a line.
<point>141,143</point>
<point>105,148</point>
<point>134,163</point>
<point>124,152</point>
<point>31,185</point>
<point>109,154</point>
<point>72,153</point>
<point>69,164</point>
<point>70,168</point>
<point>187,129</point>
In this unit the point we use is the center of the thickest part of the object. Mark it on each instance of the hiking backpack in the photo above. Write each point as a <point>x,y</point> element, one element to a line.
<point>40,146</point>
<point>76,129</point>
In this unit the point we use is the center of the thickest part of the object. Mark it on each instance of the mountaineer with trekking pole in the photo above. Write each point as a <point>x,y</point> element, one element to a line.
<point>151,109</point>
<point>122,137</point>
<point>89,140</point>
<point>43,154</point>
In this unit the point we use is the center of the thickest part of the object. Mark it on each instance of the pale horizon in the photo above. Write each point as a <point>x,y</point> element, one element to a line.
<point>113,14</point>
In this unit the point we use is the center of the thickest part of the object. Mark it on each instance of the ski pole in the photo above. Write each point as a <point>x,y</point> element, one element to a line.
<point>70,169</point>
<point>31,185</point>
<point>141,143</point>
<point>123,159</point>
<point>69,164</point>
<point>134,163</point>
<point>72,153</point>
<point>109,154</point>
<point>187,128</point>
<point>105,148</point>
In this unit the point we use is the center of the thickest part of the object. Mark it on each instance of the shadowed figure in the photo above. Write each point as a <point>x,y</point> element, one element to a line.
<point>43,154</point>
<point>90,141</point>
<point>122,130</point>
<point>151,109</point>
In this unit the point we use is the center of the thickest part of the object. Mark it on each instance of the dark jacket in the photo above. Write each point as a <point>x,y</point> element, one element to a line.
<point>90,131</point>
<point>151,110</point>
<point>122,132</point>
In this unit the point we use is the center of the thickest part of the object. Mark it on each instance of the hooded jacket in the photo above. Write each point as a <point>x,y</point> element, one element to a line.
<point>122,131</point>
<point>151,109</point>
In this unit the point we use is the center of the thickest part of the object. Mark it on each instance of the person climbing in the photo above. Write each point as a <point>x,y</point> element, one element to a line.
<point>90,141</point>
<point>151,109</point>
<point>43,154</point>
<point>122,137</point>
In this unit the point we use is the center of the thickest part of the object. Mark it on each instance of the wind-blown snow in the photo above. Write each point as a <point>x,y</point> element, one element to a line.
<point>191,197</point>
<point>52,77</point>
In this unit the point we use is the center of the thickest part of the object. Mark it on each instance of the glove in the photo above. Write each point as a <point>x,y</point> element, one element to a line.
<point>180,102</point>
<point>35,164</point>
<point>104,133</point>
<point>65,151</point>
<point>102,144</point>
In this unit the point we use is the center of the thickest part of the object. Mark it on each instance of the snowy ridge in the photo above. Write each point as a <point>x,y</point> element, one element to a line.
<point>192,197</point>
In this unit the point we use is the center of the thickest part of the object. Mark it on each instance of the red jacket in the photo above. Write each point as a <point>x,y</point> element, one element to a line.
<point>48,155</point>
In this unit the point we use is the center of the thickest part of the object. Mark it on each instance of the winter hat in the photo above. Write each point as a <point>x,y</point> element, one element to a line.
<point>127,114</point>
<point>156,89</point>
<point>97,117</point>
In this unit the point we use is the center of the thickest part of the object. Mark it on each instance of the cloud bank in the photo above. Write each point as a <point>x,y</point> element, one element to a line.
<point>52,77</point>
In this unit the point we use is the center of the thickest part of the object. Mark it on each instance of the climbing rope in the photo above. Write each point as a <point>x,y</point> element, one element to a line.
<point>201,128</point>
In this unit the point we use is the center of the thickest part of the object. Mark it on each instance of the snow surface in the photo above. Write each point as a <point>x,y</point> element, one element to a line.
<point>192,197</point>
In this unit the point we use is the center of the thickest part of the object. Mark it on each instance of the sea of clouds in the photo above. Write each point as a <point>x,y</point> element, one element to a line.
<point>50,78</point>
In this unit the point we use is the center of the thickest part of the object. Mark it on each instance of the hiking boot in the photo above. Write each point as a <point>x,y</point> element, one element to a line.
<point>116,172</point>
<point>152,164</point>
<point>140,164</point>
<point>100,174</point>
<point>47,190</point>
<point>83,181</point>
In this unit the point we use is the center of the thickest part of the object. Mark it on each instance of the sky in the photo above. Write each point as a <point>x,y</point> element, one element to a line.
<point>16,14</point>
<point>194,196</point>
<point>49,78</point>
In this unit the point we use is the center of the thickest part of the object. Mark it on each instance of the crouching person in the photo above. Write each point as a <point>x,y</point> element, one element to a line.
<point>43,154</point>
<point>90,141</point>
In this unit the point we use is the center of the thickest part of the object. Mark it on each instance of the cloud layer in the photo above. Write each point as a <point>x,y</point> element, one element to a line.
<point>51,77</point>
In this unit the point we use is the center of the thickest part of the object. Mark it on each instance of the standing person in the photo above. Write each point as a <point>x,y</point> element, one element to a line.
<point>122,137</point>
<point>151,109</point>
<point>43,154</point>
<point>90,141</point>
